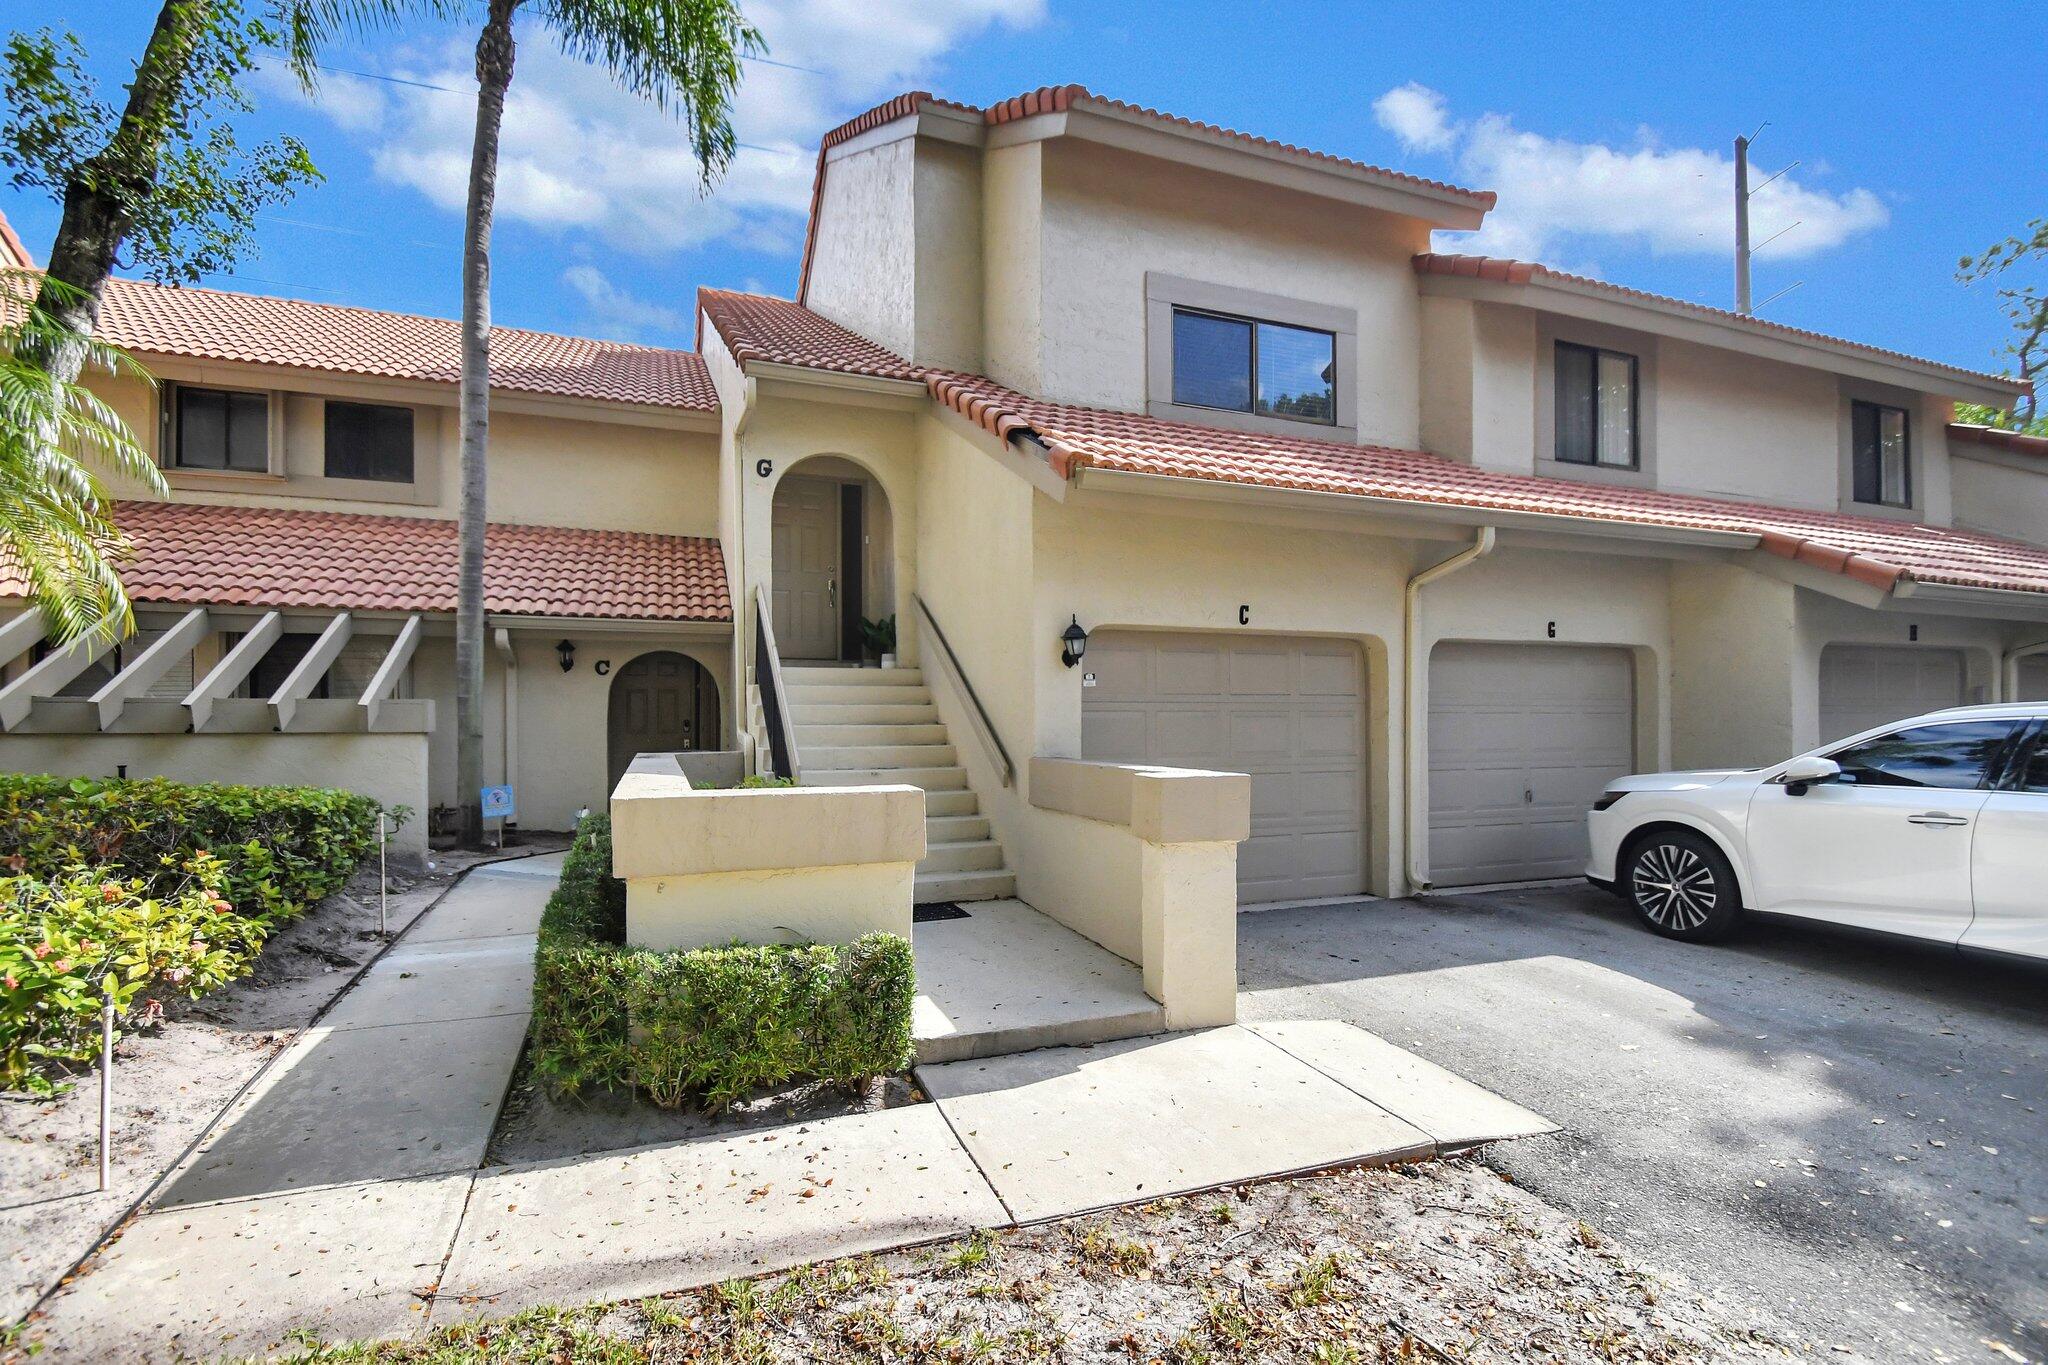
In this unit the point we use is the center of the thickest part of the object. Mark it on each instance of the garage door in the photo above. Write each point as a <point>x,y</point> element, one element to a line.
<point>2033,678</point>
<point>1863,686</point>
<point>1521,740</point>
<point>1289,712</point>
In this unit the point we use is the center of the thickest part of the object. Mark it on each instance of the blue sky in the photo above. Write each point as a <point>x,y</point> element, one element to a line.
<point>1605,128</point>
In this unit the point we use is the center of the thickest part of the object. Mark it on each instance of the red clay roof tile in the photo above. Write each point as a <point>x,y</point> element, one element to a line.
<point>1870,549</point>
<point>212,324</point>
<point>277,557</point>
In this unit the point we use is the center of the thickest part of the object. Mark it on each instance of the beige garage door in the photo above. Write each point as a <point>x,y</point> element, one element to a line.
<point>1521,740</point>
<point>1290,712</point>
<point>2033,678</point>
<point>1864,686</point>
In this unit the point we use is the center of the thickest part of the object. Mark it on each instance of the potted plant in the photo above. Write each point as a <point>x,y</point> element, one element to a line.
<point>879,639</point>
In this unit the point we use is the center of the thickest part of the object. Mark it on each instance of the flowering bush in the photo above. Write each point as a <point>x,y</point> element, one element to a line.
<point>70,943</point>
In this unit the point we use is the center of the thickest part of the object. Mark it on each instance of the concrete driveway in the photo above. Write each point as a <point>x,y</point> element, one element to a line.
<point>1843,1136</point>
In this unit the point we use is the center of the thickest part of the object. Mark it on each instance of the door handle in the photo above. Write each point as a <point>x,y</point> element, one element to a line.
<point>1939,818</point>
<point>831,592</point>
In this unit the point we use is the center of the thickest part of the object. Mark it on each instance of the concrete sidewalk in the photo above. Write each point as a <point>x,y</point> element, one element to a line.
<point>343,1198</point>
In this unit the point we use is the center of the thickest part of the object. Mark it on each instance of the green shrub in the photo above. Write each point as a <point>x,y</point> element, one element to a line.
<point>754,780</point>
<point>71,943</point>
<point>282,848</point>
<point>710,1024</point>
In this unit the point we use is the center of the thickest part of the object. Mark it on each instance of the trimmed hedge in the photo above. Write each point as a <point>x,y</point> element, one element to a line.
<point>281,848</point>
<point>711,1024</point>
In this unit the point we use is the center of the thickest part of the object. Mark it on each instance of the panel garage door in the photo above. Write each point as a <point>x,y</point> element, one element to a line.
<point>2033,678</point>
<point>1290,712</point>
<point>1864,686</point>
<point>1522,738</point>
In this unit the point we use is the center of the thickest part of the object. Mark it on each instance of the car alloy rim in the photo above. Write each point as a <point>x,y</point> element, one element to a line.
<point>1675,887</point>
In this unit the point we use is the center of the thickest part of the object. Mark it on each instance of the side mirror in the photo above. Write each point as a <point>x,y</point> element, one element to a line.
<point>1795,777</point>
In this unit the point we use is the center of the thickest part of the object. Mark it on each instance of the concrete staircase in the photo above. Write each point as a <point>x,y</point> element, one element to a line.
<point>856,726</point>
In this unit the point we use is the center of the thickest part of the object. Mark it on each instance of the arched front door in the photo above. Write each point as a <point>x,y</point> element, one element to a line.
<point>660,702</point>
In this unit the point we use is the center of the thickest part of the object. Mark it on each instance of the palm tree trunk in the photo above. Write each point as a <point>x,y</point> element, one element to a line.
<point>494,56</point>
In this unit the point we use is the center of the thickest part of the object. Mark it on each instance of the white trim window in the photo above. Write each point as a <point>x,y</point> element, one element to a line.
<point>1881,454</point>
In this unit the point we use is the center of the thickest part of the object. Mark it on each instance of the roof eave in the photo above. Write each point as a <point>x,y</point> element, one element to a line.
<point>1573,298</point>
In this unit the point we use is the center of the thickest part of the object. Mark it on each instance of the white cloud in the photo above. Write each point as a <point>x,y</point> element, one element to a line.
<point>618,313</point>
<point>579,154</point>
<point>1417,115</point>
<point>1559,195</point>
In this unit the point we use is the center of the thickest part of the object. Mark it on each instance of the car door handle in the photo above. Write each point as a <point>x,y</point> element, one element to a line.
<point>1936,817</point>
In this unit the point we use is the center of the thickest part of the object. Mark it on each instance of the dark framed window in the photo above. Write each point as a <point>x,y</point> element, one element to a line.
<point>2031,771</point>
<point>1957,757</point>
<point>1881,440</point>
<point>1245,365</point>
<point>369,441</point>
<point>220,429</point>
<point>1596,407</point>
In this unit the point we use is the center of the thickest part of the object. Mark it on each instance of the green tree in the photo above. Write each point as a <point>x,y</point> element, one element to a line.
<point>2025,303</point>
<point>684,55</point>
<point>164,177</point>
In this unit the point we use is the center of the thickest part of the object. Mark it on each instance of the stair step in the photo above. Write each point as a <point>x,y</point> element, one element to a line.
<point>864,677</point>
<point>963,886</point>
<point>875,756</point>
<point>826,736</point>
<point>952,829</point>
<point>946,804</point>
<point>931,779</point>
<point>803,694</point>
<point>863,713</point>
<point>980,855</point>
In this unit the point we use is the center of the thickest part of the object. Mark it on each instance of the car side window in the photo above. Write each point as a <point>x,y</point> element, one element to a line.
<point>1956,757</point>
<point>2033,769</point>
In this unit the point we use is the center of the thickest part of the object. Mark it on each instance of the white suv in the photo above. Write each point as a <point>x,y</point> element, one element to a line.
<point>1933,828</point>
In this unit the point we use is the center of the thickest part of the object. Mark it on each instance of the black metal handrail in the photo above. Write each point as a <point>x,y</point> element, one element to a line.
<point>774,701</point>
<point>985,726</point>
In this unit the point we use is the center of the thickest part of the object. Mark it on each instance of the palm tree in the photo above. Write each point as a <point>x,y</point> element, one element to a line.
<point>685,56</point>
<point>55,527</point>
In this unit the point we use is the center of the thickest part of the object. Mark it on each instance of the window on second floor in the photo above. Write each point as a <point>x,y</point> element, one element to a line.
<point>1596,407</point>
<point>369,441</point>
<point>1881,451</point>
<point>220,429</point>
<point>1245,365</point>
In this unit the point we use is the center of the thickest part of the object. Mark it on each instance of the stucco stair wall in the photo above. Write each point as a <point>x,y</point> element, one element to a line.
<point>856,726</point>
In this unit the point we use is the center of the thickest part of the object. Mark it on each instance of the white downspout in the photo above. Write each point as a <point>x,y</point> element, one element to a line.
<point>2009,668</point>
<point>1413,717</point>
<point>502,638</point>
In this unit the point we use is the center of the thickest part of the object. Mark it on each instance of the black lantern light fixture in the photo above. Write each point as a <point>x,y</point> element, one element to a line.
<point>1073,643</point>
<point>566,649</point>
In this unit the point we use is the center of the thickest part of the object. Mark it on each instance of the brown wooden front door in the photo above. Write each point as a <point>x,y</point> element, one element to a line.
<point>660,702</point>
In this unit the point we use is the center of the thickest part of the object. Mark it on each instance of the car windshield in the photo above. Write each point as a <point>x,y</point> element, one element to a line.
<point>1955,756</point>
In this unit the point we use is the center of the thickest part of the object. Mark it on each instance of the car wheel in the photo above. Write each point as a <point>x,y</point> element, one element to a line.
<point>1681,886</point>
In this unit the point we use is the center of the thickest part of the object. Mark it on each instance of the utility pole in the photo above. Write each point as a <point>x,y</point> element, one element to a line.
<point>1742,225</point>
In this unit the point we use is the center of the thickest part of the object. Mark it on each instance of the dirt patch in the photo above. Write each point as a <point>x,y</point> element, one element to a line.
<point>534,1126</point>
<point>172,1080</point>
<point>1440,1261</point>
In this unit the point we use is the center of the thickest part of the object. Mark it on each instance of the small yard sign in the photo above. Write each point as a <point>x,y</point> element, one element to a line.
<point>497,803</point>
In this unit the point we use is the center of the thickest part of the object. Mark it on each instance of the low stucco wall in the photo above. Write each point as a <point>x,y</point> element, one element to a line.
<point>761,865</point>
<point>391,769</point>
<point>1150,872</point>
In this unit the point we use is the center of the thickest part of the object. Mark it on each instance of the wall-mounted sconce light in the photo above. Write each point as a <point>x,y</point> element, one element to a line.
<point>1073,643</point>
<point>566,649</point>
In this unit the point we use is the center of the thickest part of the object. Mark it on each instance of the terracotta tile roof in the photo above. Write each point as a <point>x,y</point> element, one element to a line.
<point>275,557</point>
<point>14,253</point>
<point>1504,271</point>
<point>212,324</point>
<point>1999,439</point>
<point>1874,550</point>
<point>1058,99</point>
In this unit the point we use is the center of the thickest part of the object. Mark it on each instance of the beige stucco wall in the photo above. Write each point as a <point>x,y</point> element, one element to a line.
<point>1112,216</point>
<point>544,469</point>
<point>2004,495</point>
<point>391,769</point>
<point>1733,668</point>
<point>863,261</point>
<point>1012,262</point>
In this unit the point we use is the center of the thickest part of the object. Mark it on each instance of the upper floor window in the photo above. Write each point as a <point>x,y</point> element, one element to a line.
<point>221,429</point>
<point>1241,364</point>
<point>369,441</point>
<point>1596,407</point>
<point>1881,451</point>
